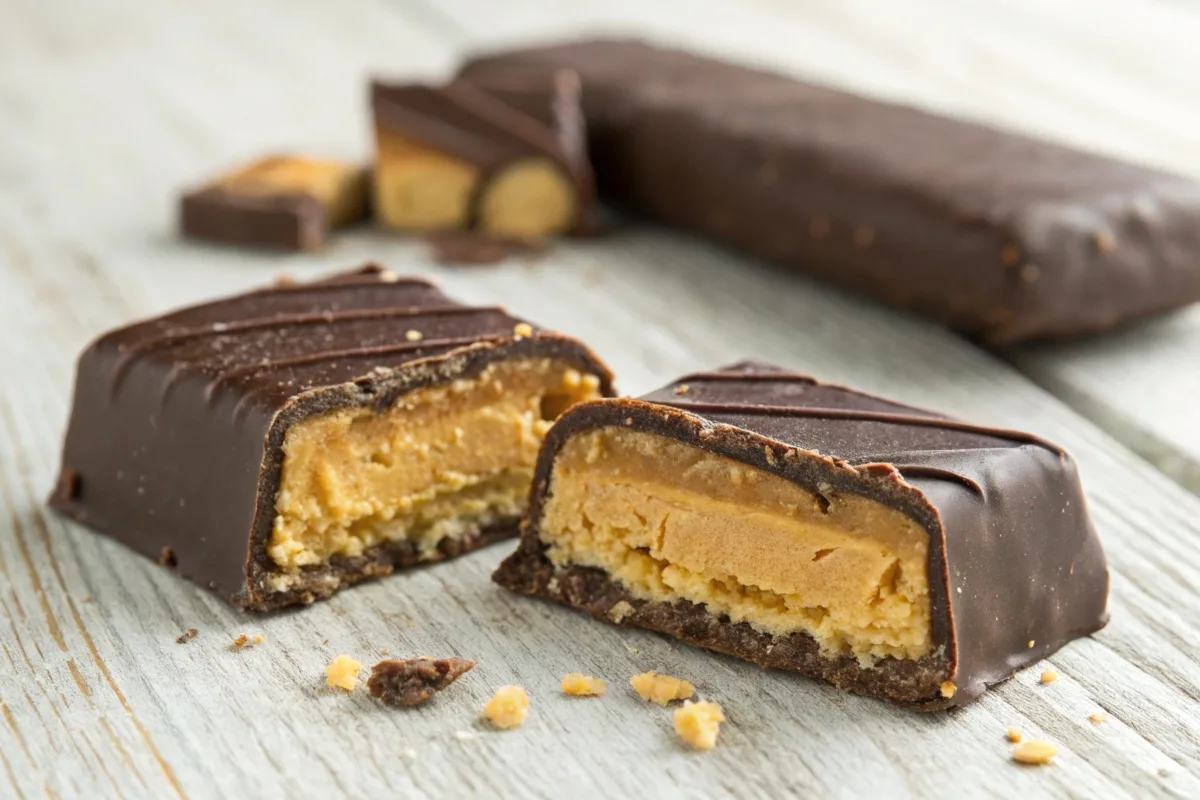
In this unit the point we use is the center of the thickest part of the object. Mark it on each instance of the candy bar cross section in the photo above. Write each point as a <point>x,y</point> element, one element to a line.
<point>804,526</point>
<point>281,444</point>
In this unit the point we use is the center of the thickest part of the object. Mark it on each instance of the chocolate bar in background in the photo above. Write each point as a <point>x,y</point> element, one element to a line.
<point>505,157</point>
<point>278,445</point>
<point>278,202</point>
<point>1002,237</point>
<point>889,550</point>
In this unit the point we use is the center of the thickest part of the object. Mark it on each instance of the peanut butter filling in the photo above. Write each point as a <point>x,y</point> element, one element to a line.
<point>671,522</point>
<point>444,461</point>
<point>341,188</point>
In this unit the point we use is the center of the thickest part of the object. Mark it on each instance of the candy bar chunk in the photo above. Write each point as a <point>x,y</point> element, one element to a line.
<point>891,551</point>
<point>280,202</point>
<point>281,444</point>
<point>1001,236</point>
<point>506,158</point>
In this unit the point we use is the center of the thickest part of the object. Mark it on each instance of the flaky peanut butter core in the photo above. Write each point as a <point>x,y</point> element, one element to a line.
<point>444,461</point>
<point>418,188</point>
<point>529,199</point>
<point>671,522</point>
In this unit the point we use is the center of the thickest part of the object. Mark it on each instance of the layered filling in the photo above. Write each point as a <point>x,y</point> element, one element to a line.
<point>442,463</point>
<point>671,522</point>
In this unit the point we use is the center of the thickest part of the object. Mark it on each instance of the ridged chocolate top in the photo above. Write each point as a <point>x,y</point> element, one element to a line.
<point>1016,569</point>
<point>176,432</point>
<point>1001,236</point>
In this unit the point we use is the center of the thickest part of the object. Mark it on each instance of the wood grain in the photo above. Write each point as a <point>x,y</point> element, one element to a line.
<point>134,100</point>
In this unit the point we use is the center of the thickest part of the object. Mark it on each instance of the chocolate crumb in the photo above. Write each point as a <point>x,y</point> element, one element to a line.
<point>167,558</point>
<point>1010,255</point>
<point>409,682</point>
<point>68,484</point>
<point>470,248</point>
<point>190,633</point>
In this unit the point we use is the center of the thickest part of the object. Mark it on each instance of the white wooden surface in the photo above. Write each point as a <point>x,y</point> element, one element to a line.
<point>107,108</point>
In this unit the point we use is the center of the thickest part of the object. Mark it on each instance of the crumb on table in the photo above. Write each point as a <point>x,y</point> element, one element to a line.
<point>1049,676</point>
<point>581,685</point>
<point>409,682</point>
<point>508,707</point>
<point>1034,751</point>
<point>949,689</point>
<point>343,673</point>
<point>699,723</point>
<point>1015,736</point>
<point>1099,718</point>
<point>190,633</point>
<point>661,689</point>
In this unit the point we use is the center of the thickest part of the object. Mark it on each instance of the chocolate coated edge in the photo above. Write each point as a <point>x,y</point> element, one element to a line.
<point>378,392</point>
<point>225,216</point>
<point>913,684</point>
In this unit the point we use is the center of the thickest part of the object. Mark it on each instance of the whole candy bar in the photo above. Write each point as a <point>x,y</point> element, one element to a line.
<point>505,157</point>
<point>891,551</point>
<point>280,202</point>
<point>1002,237</point>
<point>281,444</point>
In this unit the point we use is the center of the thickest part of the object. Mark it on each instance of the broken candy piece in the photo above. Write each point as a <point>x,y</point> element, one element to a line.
<point>891,551</point>
<point>699,723</point>
<point>410,682</point>
<point>506,160</point>
<point>282,202</point>
<point>581,685</point>
<point>660,689</point>
<point>293,440</point>
<point>508,708</point>
<point>342,673</point>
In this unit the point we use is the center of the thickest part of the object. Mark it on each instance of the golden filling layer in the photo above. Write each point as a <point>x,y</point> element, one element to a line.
<point>444,461</point>
<point>672,522</point>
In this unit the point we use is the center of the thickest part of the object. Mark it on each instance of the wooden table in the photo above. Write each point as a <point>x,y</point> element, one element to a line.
<point>107,108</point>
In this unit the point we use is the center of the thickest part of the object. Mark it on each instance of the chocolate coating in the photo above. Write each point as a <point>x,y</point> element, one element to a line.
<point>495,122</point>
<point>176,432</point>
<point>1000,236</point>
<point>227,216</point>
<point>1015,567</point>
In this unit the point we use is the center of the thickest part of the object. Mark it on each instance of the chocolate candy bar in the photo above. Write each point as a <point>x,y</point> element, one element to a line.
<point>281,444</point>
<point>505,156</point>
<point>280,202</point>
<point>1002,237</point>
<point>804,526</point>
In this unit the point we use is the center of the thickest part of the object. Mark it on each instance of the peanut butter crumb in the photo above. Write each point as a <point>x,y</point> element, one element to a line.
<point>190,633</point>
<point>1098,718</point>
<point>1010,255</point>
<point>523,330</point>
<point>508,708</point>
<point>414,335</point>
<point>1034,751</point>
<point>682,388</point>
<point>660,689</point>
<point>699,723</point>
<point>241,640</point>
<point>1015,736</point>
<point>619,611</point>
<point>343,673</point>
<point>1031,643</point>
<point>581,685</point>
<point>1049,676</point>
<point>258,640</point>
<point>387,276</point>
<point>949,689</point>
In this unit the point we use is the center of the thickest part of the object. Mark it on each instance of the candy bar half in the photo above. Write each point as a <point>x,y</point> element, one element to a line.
<point>809,527</point>
<point>278,445</point>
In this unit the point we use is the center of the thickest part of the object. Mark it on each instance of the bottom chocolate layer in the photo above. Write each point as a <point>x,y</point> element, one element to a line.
<point>318,583</point>
<point>916,684</point>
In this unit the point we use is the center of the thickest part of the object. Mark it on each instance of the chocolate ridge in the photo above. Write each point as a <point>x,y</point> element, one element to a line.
<point>145,462</point>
